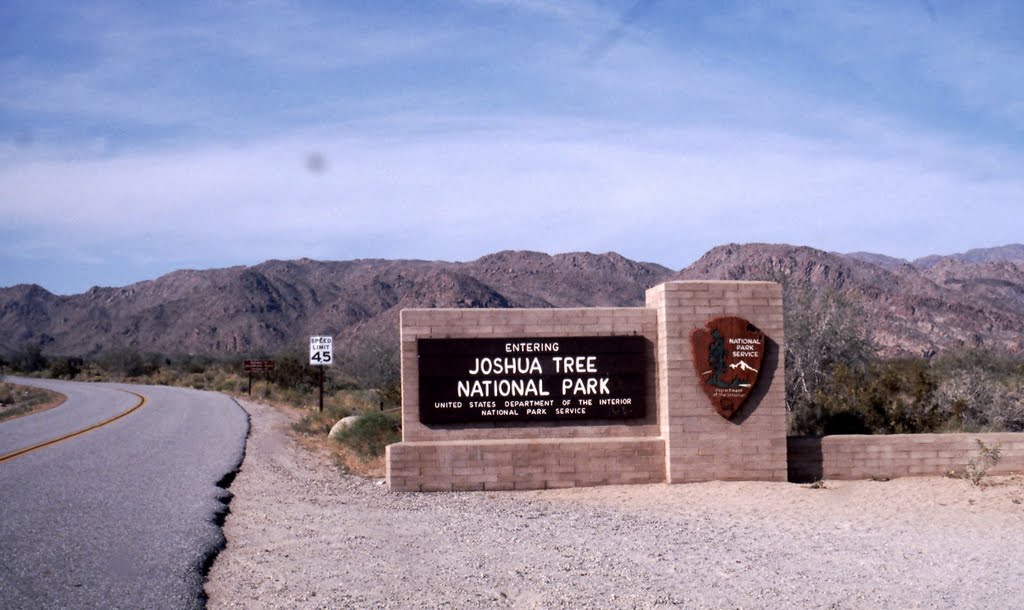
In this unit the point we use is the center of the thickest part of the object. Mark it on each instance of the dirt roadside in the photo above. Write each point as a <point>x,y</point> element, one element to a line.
<point>18,400</point>
<point>303,535</point>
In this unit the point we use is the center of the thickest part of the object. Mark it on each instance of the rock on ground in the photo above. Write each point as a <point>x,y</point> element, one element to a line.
<point>342,424</point>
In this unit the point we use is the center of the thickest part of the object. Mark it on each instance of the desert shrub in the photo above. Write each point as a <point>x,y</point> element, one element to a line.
<point>828,353</point>
<point>376,366</point>
<point>294,374</point>
<point>956,392</point>
<point>316,423</point>
<point>896,397</point>
<point>371,433</point>
<point>65,368</point>
<point>196,381</point>
<point>225,381</point>
<point>28,359</point>
<point>126,362</point>
<point>899,398</point>
<point>975,399</point>
<point>988,456</point>
<point>835,384</point>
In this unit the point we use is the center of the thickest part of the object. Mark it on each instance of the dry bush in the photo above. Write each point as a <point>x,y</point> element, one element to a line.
<point>977,467</point>
<point>977,398</point>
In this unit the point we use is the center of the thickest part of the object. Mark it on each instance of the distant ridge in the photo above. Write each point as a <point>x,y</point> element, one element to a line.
<point>1012,253</point>
<point>973,299</point>
<point>883,261</point>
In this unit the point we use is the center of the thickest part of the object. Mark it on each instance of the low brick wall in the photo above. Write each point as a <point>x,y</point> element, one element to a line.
<point>897,455</point>
<point>515,464</point>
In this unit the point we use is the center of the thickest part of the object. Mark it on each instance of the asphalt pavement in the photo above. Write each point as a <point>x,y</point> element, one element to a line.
<point>88,404</point>
<point>123,516</point>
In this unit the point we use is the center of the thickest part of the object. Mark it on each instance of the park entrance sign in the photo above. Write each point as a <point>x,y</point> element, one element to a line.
<point>542,398</point>
<point>523,379</point>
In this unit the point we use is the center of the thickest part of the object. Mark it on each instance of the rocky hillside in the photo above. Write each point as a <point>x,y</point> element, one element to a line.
<point>909,309</point>
<point>277,304</point>
<point>1010,253</point>
<point>964,300</point>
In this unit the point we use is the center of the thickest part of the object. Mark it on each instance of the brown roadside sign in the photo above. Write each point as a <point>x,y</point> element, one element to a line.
<point>259,366</point>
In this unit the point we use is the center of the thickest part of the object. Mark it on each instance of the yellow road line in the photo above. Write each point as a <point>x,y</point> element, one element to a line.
<point>20,452</point>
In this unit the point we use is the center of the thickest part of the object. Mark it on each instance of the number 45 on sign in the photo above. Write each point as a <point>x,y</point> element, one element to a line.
<point>321,351</point>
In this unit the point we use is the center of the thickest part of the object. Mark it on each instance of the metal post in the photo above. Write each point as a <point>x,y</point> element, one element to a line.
<point>321,388</point>
<point>250,383</point>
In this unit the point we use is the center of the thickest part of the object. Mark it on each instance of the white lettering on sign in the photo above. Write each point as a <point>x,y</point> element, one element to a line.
<point>486,388</point>
<point>525,346</point>
<point>571,411</point>
<point>321,350</point>
<point>506,366</point>
<point>575,364</point>
<point>585,386</point>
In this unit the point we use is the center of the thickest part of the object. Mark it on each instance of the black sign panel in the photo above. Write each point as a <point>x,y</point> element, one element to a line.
<point>476,380</point>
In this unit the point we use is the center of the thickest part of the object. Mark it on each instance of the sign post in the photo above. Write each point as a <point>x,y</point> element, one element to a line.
<point>257,366</point>
<point>321,354</point>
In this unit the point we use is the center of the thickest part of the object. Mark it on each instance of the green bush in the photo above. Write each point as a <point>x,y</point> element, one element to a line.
<point>371,433</point>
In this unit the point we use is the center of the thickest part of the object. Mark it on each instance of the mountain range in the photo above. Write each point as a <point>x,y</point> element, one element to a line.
<point>974,299</point>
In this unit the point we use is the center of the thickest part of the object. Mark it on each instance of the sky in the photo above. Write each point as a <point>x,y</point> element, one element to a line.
<point>137,138</point>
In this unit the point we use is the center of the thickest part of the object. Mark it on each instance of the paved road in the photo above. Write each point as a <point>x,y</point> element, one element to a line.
<point>87,404</point>
<point>124,516</point>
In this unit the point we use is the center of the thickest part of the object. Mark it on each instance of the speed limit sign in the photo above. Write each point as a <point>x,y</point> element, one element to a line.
<point>321,351</point>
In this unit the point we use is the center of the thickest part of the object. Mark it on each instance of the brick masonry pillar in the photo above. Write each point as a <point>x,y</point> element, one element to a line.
<point>700,444</point>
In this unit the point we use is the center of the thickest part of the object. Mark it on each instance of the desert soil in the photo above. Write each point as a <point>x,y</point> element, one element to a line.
<point>301,534</point>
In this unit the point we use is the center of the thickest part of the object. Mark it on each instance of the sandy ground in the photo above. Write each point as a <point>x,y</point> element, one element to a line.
<point>52,400</point>
<point>303,535</point>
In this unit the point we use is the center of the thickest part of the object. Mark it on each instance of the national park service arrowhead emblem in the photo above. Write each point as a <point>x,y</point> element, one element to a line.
<point>727,356</point>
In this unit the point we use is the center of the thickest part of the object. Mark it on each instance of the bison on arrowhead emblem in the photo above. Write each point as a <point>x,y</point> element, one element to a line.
<point>727,355</point>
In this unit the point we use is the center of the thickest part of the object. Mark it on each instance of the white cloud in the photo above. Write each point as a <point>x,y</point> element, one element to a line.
<point>661,195</point>
<point>659,150</point>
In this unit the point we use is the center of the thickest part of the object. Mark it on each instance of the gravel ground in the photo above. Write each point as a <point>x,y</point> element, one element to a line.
<point>302,535</point>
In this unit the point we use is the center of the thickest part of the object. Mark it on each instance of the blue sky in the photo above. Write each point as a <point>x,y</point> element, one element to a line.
<point>138,138</point>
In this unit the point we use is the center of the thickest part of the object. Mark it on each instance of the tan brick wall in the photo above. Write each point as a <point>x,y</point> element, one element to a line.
<point>701,444</point>
<point>516,464</point>
<point>897,455</point>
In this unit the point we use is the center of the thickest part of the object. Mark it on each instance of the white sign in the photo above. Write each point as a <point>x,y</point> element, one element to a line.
<point>321,351</point>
